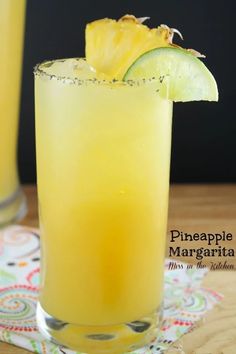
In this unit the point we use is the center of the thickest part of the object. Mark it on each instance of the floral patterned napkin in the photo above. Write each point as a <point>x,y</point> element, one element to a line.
<point>185,301</point>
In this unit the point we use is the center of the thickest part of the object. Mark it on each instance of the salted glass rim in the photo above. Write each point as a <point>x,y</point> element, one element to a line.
<point>40,70</point>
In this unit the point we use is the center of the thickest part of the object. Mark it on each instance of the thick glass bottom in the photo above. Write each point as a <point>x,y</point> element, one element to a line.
<point>118,338</point>
<point>13,208</point>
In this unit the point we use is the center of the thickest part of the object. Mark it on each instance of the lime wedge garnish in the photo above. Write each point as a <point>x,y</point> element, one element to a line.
<point>177,72</point>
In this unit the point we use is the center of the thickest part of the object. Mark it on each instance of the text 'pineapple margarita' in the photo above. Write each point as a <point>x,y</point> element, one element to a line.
<point>103,131</point>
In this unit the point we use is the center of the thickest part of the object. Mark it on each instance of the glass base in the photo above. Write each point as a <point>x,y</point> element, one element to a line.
<point>13,208</point>
<point>118,338</point>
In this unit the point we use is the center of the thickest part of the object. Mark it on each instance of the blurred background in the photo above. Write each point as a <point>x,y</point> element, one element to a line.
<point>204,134</point>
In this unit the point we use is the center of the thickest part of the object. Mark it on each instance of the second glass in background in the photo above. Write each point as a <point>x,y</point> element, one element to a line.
<point>12,18</point>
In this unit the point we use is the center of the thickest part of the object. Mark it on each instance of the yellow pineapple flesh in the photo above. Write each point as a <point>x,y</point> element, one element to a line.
<point>112,46</point>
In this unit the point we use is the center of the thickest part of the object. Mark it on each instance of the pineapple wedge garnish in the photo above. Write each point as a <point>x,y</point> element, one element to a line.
<point>112,46</point>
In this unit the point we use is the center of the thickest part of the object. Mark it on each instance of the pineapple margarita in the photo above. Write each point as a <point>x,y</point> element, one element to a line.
<point>12,14</point>
<point>103,131</point>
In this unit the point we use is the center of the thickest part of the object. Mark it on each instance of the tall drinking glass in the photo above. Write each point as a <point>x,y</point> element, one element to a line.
<point>12,16</point>
<point>103,156</point>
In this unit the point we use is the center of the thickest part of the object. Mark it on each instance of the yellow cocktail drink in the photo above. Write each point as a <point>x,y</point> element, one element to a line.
<point>12,14</point>
<point>103,156</point>
<point>103,136</point>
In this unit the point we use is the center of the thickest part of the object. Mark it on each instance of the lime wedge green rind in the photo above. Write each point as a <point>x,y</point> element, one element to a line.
<point>177,73</point>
